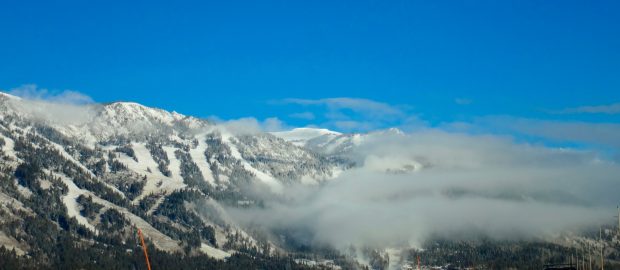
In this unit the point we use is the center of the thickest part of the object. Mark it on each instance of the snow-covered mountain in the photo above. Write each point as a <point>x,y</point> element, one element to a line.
<point>81,179</point>
<point>347,146</point>
<point>149,138</point>
<point>329,142</point>
<point>103,169</point>
<point>301,136</point>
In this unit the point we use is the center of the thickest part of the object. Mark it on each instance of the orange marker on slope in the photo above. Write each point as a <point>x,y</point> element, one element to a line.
<point>146,254</point>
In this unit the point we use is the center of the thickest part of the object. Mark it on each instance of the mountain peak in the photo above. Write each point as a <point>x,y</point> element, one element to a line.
<point>9,96</point>
<point>389,131</point>
<point>300,136</point>
<point>126,112</point>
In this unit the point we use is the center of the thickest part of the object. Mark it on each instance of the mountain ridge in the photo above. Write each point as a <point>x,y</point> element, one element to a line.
<point>137,164</point>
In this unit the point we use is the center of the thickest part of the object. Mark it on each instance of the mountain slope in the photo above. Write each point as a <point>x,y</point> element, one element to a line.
<point>93,173</point>
<point>329,142</point>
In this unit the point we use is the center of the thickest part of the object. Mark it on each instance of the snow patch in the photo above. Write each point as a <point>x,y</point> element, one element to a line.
<point>70,201</point>
<point>273,183</point>
<point>9,147</point>
<point>214,252</point>
<point>156,182</point>
<point>300,136</point>
<point>175,164</point>
<point>160,240</point>
<point>198,156</point>
<point>66,155</point>
<point>11,243</point>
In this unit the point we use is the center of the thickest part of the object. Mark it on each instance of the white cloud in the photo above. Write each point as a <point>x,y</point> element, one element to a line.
<point>606,134</point>
<point>65,107</point>
<point>367,107</point>
<point>273,124</point>
<point>487,184</point>
<point>353,114</point>
<point>604,109</point>
<point>32,92</point>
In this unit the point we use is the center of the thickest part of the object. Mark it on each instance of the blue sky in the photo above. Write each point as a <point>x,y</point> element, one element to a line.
<point>338,64</point>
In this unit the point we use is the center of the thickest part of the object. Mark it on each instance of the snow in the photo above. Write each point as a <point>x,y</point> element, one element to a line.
<point>66,155</point>
<point>7,200</point>
<point>23,190</point>
<point>132,110</point>
<point>198,156</point>
<point>131,123</point>
<point>146,162</point>
<point>331,142</point>
<point>45,184</point>
<point>214,252</point>
<point>157,203</point>
<point>70,201</point>
<point>299,136</point>
<point>273,183</point>
<point>80,133</point>
<point>12,243</point>
<point>125,118</point>
<point>175,164</point>
<point>9,96</point>
<point>322,140</point>
<point>81,166</point>
<point>324,264</point>
<point>9,147</point>
<point>160,240</point>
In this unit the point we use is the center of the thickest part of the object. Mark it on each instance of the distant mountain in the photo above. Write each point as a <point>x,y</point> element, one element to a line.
<point>301,136</point>
<point>329,142</point>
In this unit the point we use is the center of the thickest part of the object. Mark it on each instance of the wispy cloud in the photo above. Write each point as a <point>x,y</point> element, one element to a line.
<point>351,114</point>
<point>367,107</point>
<point>32,92</point>
<point>600,109</point>
<point>59,107</point>
<point>605,134</point>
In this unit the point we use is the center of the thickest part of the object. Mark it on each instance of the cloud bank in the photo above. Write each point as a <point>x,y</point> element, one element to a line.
<point>64,107</point>
<point>34,93</point>
<point>351,114</point>
<point>460,185</point>
<point>605,109</point>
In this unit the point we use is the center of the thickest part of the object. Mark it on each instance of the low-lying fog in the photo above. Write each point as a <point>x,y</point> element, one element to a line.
<point>447,184</point>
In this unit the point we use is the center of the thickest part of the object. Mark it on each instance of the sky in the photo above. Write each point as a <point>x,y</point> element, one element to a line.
<point>345,65</point>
